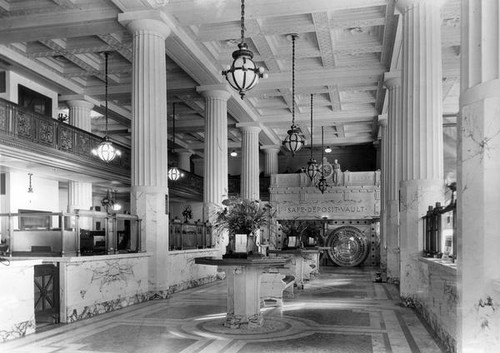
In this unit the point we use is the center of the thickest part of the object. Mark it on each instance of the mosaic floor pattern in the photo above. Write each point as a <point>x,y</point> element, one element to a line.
<point>341,311</point>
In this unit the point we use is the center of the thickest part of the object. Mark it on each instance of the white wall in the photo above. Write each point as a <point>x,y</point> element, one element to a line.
<point>46,193</point>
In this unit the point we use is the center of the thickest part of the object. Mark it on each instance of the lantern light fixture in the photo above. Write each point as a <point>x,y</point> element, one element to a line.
<point>243,74</point>
<point>312,166</point>
<point>30,186</point>
<point>328,149</point>
<point>116,206</point>
<point>322,184</point>
<point>234,153</point>
<point>174,173</point>
<point>294,139</point>
<point>107,202</point>
<point>106,150</point>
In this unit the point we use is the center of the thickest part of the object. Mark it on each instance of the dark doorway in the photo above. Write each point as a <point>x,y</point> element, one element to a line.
<point>46,294</point>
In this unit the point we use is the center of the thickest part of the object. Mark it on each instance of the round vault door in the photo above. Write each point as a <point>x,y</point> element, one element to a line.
<point>347,246</point>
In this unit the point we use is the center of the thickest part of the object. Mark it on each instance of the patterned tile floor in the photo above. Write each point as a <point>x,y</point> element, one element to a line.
<point>341,311</point>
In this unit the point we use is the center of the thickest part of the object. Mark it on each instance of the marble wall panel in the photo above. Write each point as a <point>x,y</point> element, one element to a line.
<point>17,309</point>
<point>94,286</point>
<point>437,298</point>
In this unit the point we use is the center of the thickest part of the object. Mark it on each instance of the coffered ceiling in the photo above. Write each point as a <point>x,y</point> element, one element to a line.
<point>343,50</point>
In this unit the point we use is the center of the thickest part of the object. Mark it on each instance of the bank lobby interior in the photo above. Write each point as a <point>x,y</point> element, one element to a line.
<point>396,102</point>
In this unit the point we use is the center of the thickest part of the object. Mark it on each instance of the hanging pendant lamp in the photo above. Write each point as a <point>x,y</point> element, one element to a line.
<point>294,139</point>
<point>106,151</point>
<point>322,184</point>
<point>243,74</point>
<point>312,166</point>
<point>174,173</point>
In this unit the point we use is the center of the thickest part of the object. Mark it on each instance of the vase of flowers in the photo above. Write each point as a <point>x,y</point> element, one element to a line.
<point>243,220</point>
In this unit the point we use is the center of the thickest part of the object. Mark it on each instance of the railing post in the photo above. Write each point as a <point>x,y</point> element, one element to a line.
<point>139,235</point>
<point>61,226</point>
<point>77,233</point>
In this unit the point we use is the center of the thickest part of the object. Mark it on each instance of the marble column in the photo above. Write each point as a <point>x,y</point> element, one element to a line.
<point>422,181</point>
<point>270,159</point>
<point>393,84</point>
<point>478,180</point>
<point>215,184</point>
<point>184,160</point>
<point>250,183</point>
<point>149,143</point>
<point>384,158</point>
<point>80,193</point>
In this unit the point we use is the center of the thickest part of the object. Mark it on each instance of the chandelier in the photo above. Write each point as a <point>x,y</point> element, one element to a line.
<point>294,139</point>
<point>106,151</point>
<point>174,173</point>
<point>322,184</point>
<point>243,74</point>
<point>312,167</point>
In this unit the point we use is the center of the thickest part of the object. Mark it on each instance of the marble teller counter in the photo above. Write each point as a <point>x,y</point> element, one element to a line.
<point>17,311</point>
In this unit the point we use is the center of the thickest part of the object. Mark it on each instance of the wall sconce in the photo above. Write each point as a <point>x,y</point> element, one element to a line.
<point>31,192</point>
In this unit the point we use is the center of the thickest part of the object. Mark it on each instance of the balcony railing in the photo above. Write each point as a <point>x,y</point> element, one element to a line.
<point>28,130</point>
<point>187,235</point>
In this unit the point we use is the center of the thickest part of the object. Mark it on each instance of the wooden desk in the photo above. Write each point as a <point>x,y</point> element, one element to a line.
<point>243,287</point>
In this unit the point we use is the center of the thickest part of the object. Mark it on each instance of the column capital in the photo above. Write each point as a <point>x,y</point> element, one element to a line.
<point>382,120</point>
<point>271,148</point>
<point>183,152</point>
<point>147,20</point>
<point>405,5</point>
<point>249,127</point>
<point>221,91</point>
<point>392,79</point>
<point>79,100</point>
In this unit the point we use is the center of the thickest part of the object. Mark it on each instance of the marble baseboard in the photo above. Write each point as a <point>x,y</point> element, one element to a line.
<point>164,294</point>
<point>73,315</point>
<point>20,329</point>
<point>433,321</point>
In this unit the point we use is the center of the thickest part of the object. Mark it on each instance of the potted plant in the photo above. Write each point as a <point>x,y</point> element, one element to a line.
<point>243,220</point>
<point>293,230</point>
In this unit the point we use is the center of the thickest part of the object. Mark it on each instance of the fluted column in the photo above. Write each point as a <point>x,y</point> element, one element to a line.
<point>215,187</point>
<point>149,142</point>
<point>421,131</point>
<point>184,161</point>
<point>478,180</point>
<point>250,162</point>
<point>270,159</point>
<point>384,159</point>
<point>79,113</point>
<point>79,193</point>
<point>393,84</point>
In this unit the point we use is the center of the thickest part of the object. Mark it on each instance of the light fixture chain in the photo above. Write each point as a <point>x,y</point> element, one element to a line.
<point>242,21</point>
<point>293,79</point>
<point>322,151</point>
<point>312,126</point>
<point>106,90</point>
<point>173,127</point>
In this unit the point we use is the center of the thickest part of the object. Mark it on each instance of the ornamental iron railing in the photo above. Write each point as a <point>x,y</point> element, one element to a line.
<point>29,130</point>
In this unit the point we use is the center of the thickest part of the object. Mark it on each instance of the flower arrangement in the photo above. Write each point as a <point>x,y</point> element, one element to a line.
<point>242,216</point>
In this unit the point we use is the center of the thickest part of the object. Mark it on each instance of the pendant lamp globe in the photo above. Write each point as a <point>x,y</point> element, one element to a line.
<point>322,185</point>
<point>174,173</point>
<point>243,74</point>
<point>294,139</point>
<point>312,168</point>
<point>106,150</point>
